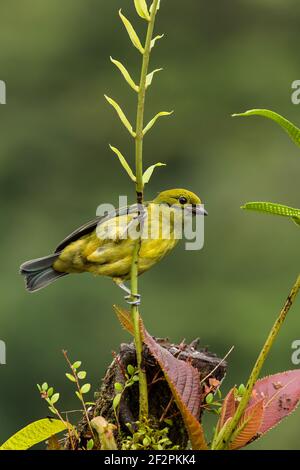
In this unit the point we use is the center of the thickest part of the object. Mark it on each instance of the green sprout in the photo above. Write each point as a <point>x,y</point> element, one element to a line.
<point>139,177</point>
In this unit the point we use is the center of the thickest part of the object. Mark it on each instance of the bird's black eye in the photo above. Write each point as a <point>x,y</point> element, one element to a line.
<point>182,200</point>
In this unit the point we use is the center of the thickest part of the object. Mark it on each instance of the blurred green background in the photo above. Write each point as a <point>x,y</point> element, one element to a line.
<point>55,169</point>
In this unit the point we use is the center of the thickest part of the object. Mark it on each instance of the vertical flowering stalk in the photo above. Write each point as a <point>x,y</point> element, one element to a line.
<point>139,177</point>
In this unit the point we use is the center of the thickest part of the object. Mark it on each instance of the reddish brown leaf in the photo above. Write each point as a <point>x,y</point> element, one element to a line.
<point>214,383</point>
<point>228,408</point>
<point>183,380</point>
<point>281,393</point>
<point>124,319</point>
<point>248,426</point>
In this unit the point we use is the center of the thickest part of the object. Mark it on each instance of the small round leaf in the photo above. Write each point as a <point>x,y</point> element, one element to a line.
<point>76,365</point>
<point>81,375</point>
<point>85,388</point>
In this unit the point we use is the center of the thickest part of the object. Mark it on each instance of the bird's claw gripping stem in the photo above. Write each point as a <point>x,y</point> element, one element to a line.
<point>136,302</point>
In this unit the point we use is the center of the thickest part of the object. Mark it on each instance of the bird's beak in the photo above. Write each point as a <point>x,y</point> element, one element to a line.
<point>197,210</point>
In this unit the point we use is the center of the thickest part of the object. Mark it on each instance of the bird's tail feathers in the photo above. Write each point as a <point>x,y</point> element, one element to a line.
<point>39,273</point>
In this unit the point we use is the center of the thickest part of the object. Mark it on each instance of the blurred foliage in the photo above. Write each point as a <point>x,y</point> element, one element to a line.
<point>56,167</point>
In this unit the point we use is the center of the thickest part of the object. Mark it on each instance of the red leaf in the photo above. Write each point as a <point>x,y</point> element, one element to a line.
<point>228,409</point>
<point>249,425</point>
<point>183,380</point>
<point>281,393</point>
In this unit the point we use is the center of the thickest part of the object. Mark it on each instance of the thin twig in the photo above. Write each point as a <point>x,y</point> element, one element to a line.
<point>65,353</point>
<point>218,365</point>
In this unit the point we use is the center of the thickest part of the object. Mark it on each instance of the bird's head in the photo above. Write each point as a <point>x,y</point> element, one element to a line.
<point>183,199</point>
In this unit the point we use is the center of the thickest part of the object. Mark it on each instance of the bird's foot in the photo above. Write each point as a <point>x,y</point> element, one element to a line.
<point>136,302</point>
<point>129,295</point>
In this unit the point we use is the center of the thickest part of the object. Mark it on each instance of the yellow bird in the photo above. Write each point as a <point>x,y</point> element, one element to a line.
<point>104,246</point>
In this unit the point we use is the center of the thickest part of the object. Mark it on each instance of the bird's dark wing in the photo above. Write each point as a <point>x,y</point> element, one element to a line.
<point>92,224</point>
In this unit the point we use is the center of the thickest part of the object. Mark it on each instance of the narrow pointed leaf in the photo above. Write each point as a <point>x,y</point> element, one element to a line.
<point>228,409</point>
<point>34,433</point>
<point>148,173</point>
<point>125,74</point>
<point>153,42</point>
<point>150,76</point>
<point>292,130</point>
<point>157,8</point>
<point>121,115</point>
<point>153,121</point>
<point>249,425</point>
<point>183,380</point>
<point>142,9</point>
<point>274,209</point>
<point>131,32</point>
<point>124,163</point>
<point>124,318</point>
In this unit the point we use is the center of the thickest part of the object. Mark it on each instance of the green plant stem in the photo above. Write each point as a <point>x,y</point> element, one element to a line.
<point>223,442</point>
<point>79,390</point>
<point>143,389</point>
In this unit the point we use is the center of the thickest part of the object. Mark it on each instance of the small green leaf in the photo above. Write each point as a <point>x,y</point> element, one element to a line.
<point>153,121</point>
<point>210,398</point>
<point>118,387</point>
<point>39,387</point>
<point>148,173</point>
<point>157,8</point>
<point>124,163</point>
<point>289,127</point>
<point>45,387</point>
<point>116,401</point>
<point>146,442</point>
<point>142,9</point>
<point>54,398</point>
<point>90,444</point>
<point>130,369</point>
<point>241,389</point>
<point>153,42</point>
<point>50,392</point>
<point>150,76</point>
<point>76,365</point>
<point>85,388</point>
<point>135,378</point>
<point>131,32</point>
<point>168,421</point>
<point>70,377</point>
<point>53,410</point>
<point>125,74</point>
<point>121,115</point>
<point>34,433</point>
<point>78,395</point>
<point>81,375</point>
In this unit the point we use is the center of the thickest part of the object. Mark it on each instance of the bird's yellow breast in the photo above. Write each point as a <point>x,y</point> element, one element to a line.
<point>108,250</point>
